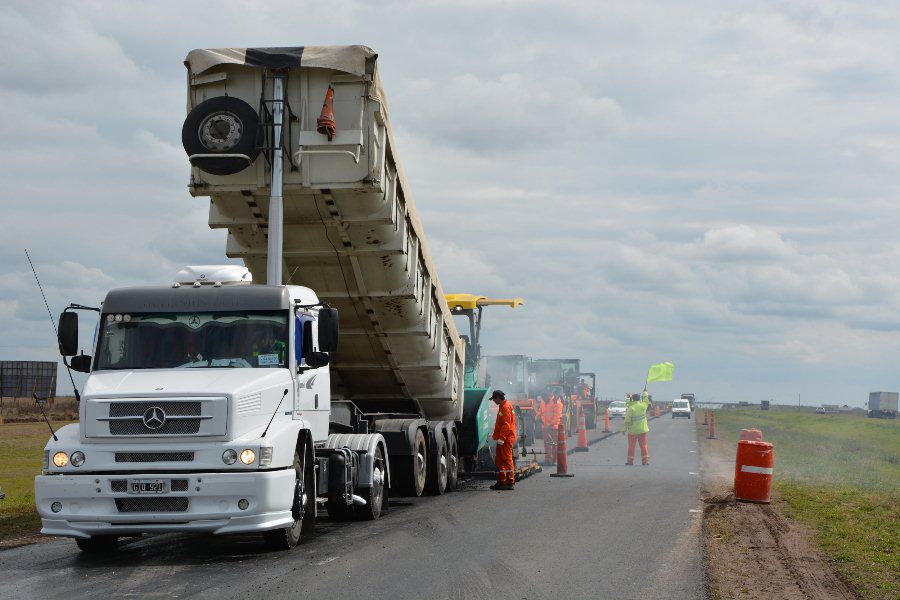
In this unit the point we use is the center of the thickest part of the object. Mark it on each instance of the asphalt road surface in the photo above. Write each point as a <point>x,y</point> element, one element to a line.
<point>609,532</point>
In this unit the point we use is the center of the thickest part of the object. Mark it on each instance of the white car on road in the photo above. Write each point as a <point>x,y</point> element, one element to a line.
<point>681,408</point>
<point>616,409</point>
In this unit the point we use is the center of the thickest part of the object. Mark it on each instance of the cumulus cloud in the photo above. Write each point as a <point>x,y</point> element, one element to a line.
<point>511,113</point>
<point>706,182</point>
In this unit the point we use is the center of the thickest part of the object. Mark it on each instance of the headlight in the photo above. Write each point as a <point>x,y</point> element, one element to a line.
<point>248,456</point>
<point>60,459</point>
<point>77,458</point>
<point>229,457</point>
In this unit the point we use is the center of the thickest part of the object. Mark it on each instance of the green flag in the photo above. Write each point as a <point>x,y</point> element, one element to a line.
<point>661,372</point>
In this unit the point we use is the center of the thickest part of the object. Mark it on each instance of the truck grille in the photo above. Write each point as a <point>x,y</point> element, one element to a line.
<point>135,505</point>
<point>127,418</point>
<point>120,486</point>
<point>141,457</point>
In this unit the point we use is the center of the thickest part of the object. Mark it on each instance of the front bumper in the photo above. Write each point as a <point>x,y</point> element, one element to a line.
<point>209,504</point>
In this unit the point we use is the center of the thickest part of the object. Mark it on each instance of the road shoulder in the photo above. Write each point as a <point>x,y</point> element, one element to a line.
<point>752,550</point>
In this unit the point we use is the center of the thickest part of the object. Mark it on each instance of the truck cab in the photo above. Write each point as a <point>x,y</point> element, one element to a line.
<point>206,407</point>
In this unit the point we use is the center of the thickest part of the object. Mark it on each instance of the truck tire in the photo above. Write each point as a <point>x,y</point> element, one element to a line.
<point>304,505</point>
<point>222,125</point>
<point>440,465</point>
<point>375,496</point>
<point>411,480</point>
<point>453,455</point>
<point>99,544</point>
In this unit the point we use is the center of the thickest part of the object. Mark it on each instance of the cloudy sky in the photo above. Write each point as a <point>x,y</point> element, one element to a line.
<point>712,183</point>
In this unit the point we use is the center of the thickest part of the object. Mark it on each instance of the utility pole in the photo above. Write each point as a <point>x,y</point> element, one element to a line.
<point>798,399</point>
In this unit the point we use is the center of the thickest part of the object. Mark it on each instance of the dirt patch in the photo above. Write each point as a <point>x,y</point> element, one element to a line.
<point>750,550</point>
<point>25,540</point>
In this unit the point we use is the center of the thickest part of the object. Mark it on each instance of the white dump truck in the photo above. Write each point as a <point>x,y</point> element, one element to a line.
<point>218,403</point>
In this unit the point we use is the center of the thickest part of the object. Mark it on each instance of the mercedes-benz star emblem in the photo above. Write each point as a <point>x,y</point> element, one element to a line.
<point>154,418</point>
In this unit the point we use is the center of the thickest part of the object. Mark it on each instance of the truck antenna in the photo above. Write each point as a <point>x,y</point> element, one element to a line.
<point>40,403</point>
<point>274,413</point>
<point>53,323</point>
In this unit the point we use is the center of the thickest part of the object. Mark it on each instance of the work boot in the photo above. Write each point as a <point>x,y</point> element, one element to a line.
<point>497,486</point>
<point>628,464</point>
<point>506,487</point>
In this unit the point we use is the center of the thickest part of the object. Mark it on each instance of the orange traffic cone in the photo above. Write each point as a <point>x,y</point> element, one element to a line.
<point>606,421</point>
<point>582,436</point>
<point>325,123</point>
<point>712,426</point>
<point>656,410</point>
<point>562,460</point>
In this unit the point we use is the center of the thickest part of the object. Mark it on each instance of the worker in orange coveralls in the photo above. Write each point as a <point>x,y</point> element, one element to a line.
<point>550,414</point>
<point>505,435</point>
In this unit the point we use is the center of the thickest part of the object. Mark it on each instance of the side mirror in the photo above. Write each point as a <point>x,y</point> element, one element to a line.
<point>81,363</point>
<point>317,359</point>
<point>328,330</point>
<point>67,334</point>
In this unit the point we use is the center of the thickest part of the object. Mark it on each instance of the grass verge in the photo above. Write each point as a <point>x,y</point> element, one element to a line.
<point>839,474</point>
<point>21,452</point>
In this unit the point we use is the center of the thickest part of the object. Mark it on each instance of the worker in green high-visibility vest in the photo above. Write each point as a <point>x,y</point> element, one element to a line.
<point>636,426</point>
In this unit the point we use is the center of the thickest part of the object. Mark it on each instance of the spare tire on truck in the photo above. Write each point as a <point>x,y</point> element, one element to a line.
<point>223,126</point>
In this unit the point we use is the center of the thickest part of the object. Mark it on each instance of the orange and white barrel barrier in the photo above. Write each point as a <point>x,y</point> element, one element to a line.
<point>753,471</point>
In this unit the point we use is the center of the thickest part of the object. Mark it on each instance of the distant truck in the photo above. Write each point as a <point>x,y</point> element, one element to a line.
<point>689,398</point>
<point>882,405</point>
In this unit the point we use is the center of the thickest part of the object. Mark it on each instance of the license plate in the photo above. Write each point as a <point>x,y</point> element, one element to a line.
<point>148,486</point>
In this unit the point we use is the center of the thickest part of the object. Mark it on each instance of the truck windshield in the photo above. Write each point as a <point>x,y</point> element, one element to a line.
<point>193,340</point>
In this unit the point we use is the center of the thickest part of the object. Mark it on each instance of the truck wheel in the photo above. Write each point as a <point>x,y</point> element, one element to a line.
<point>414,469</point>
<point>222,125</point>
<point>374,496</point>
<point>453,456</point>
<point>437,474</point>
<point>99,544</point>
<point>303,506</point>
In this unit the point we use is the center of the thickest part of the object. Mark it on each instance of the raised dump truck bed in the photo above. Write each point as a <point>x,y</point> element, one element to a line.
<point>351,229</point>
